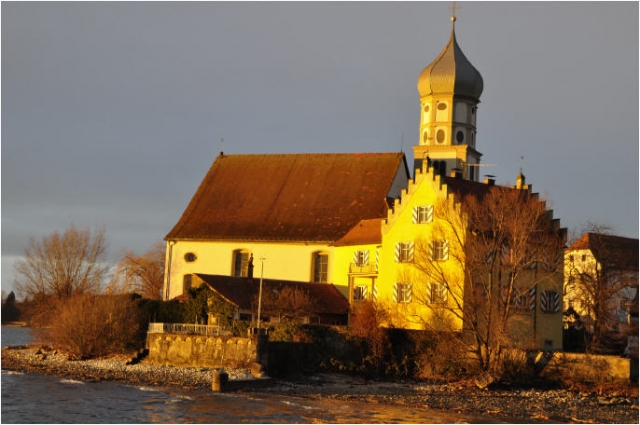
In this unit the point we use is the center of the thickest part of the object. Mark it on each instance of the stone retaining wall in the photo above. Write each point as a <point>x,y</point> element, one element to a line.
<point>204,351</point>
<point>592,367</point>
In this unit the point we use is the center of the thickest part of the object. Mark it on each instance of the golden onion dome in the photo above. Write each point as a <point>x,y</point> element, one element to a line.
<point>451,72</point>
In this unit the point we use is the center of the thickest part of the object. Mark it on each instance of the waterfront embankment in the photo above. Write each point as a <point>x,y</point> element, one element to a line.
<point>505,404</point>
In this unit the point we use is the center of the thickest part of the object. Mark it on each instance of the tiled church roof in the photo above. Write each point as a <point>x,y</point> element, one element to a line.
<point>288,197</point>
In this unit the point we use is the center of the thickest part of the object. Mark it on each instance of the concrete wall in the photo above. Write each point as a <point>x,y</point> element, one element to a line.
<point>205,351</point>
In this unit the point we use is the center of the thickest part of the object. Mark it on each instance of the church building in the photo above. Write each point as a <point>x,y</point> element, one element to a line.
<point>354,220</point>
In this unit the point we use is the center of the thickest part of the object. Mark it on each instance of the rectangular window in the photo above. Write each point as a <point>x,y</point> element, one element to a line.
<point>320,267</point>
<point>439,250</point>
<point>423,214</point>
<point>438,293</point>
<point>402,293</point>
<point>241,263</point>
<point>359,293</point>
<point>404,252</point>
<point>550,301</point>
<point>361,258</point>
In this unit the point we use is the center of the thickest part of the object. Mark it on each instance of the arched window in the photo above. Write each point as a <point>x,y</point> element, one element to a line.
<point>241,262</point>
<point>186,283</point>
<point>320,267</point>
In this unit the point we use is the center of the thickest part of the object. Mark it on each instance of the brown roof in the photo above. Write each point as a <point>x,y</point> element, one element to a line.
<point>293,197</point>
<point>462,187</point>
<point>611,250</point>
<point>365,232</point>
<point>241,291</point>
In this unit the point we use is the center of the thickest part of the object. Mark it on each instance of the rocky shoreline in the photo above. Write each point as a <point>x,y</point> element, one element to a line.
<point>557,405</point>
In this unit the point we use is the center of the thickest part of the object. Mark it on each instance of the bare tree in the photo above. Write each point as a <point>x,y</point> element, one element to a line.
<point>485,258</point>
<point>601,275</point>
<point>287,303</point>
<point>142,274</point>
<point>62,264</point>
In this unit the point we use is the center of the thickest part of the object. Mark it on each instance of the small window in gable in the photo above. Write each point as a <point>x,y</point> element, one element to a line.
<point>423,214</point>
<point>190,257</point>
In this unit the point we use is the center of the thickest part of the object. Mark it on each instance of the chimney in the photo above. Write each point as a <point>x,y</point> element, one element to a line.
<point>489,180</point>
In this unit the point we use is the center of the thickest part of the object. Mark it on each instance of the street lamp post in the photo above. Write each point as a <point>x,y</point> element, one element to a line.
<point>260,292</point>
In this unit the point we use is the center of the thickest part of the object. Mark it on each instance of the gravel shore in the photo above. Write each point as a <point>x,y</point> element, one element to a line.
<point>558,405</point>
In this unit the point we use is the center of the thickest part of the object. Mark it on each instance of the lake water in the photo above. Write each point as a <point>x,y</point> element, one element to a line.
<point>33,398</point>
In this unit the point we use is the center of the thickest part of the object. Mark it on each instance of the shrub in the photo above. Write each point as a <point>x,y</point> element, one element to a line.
<point>89,325</point>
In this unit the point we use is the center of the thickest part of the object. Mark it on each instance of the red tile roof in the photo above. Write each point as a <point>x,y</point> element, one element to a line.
<point>609,249</point>
<point>365,232</point>
<point>290,197</point>
<point>242,291</point>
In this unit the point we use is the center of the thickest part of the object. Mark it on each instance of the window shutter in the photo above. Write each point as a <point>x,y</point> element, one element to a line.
<point>375,292</point>
<point>356,257</point>
<point>429,213</point>
<point>365,257</point>
<point>415,217</point>
<point>411,248</point>
<point>445,250</point>
<point>398,251</point>
<point>377,257</point>
<point>532,298</point>
<point>431,249</point>
<point>445,294</point>
<point>396,290</point>
<point>409,287</point>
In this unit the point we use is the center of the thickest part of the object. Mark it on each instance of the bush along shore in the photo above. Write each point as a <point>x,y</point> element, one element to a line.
<point>595,405</point>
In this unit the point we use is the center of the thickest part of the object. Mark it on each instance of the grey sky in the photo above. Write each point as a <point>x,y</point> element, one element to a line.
<point>113,112</point>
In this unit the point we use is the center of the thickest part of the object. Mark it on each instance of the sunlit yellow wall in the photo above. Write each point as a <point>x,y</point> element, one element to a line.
<point>400,228</point>
<point>286,261</point>
<point>574,266</point>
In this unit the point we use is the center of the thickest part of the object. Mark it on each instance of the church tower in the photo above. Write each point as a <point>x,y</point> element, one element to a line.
<point>450,89</point>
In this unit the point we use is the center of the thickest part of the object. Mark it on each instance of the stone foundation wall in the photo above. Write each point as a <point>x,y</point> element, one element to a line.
<point>592,368</point>
<point>204,351</point>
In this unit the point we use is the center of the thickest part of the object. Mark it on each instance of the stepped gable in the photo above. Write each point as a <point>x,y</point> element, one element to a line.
<point>242,291</point>
<point>288,197</point>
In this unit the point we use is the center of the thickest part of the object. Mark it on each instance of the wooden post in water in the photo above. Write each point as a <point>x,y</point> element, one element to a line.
<point>220,381</point>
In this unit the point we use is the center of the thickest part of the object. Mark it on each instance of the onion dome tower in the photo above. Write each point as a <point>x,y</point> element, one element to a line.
<point>450,89</point>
